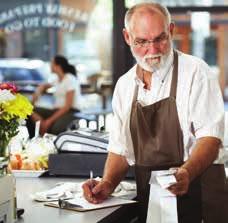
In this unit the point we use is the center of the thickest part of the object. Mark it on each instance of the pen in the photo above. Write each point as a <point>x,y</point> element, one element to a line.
<point>91,175</point>
<point>91,179</point>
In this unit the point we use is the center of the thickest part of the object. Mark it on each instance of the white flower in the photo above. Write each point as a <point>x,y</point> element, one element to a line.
<point>6,95</point>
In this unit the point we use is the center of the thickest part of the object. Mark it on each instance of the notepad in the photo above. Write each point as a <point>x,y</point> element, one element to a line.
<point>82,205</point>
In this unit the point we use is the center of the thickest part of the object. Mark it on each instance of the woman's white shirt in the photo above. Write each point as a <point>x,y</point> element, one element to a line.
<point>68,83</point>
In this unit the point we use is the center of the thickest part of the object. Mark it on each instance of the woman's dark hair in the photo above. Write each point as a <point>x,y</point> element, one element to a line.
<point>64,64</point>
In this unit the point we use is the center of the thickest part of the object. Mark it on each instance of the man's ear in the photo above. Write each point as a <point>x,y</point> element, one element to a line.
<point>126,36</point>
<point>171,28</point>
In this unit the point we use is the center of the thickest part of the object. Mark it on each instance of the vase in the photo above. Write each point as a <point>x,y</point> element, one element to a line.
<point>4,156</point>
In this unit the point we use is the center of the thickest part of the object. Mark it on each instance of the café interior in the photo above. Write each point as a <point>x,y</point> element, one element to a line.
<point>89,34</point>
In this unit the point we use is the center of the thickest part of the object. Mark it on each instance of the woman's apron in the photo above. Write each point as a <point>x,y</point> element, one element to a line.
<point>158,144</point>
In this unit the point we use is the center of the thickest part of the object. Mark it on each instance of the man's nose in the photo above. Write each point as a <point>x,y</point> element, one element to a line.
<point>152,48</point>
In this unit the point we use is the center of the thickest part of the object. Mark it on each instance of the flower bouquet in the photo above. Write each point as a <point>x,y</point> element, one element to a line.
<point>14,108</point>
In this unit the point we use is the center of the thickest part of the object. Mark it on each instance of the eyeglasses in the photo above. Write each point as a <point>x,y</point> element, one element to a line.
<point>158,41</point>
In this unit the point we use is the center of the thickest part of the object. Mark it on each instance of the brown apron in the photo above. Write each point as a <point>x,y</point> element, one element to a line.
<point>214,188</point>
<point>158,144</point>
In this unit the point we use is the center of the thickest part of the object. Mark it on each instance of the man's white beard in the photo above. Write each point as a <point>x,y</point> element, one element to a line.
<point>151,62</point>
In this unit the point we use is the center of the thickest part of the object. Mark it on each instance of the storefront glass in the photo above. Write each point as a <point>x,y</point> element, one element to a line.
<point>80,30</point>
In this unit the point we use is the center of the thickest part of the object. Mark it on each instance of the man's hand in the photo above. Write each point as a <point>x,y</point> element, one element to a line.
<point>96,192</point>
<point>182,184</point>
<point>204,153</point>
<point>116,167</point>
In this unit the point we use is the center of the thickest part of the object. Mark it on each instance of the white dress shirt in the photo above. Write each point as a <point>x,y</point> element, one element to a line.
<point>199,103</point>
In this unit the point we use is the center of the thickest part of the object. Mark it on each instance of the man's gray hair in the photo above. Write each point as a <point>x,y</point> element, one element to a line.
<point>149,6</point>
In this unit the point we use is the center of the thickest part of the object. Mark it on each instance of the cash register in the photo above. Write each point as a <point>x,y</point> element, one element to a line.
<point>79,152</point>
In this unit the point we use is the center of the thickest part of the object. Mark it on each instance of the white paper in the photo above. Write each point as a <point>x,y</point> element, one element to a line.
<point>166,180</point>
<point>86,206</point>
<point>168,215</point>
<point>111,201</point>
<point>154,210</point>
<point>162,207</point>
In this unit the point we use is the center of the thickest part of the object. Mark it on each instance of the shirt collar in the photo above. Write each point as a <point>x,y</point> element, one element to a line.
<point>161,73</point>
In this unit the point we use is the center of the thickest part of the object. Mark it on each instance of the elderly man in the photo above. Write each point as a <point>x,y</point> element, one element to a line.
<point>168,112</point>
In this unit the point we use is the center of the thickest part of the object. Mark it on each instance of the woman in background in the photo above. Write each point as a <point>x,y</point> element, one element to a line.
<point>67,96</point>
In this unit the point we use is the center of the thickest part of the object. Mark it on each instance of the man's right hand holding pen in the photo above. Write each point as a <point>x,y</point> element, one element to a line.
<point>97,191</point>
<point>116,168</point>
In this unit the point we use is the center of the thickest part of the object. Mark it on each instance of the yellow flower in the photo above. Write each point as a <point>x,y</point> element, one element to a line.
<point>19,107</point>
<point>13,108</point>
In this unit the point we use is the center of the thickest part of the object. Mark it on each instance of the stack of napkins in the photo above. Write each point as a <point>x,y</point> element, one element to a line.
<point>61,190</point>
<point>125,188</point>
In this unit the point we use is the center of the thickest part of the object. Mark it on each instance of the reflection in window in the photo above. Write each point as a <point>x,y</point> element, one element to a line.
<point>200,24</point>
<point>78,29</point>
<point>85,46</point>
<point>20,74</point>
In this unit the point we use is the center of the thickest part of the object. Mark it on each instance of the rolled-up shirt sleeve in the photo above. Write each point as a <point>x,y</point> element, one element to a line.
<point>116,143</point>
<point>119,136</point>
<point>115,140</point>
<point>206,105</point>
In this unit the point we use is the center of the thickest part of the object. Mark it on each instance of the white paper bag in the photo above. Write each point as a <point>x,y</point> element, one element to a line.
<point>162,207</point>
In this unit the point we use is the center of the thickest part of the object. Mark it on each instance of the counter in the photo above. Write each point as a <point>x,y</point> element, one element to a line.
<point>36,212</point>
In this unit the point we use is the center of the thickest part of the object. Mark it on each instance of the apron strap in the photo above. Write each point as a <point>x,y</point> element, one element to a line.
<point>173,89</point>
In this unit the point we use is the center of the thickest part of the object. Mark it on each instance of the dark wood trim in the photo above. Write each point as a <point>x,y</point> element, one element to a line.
<point>185,9</point>
<point>122,59</point>
<point>118,51</point>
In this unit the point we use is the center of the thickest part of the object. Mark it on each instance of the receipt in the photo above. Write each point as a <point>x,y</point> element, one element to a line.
<point>166,180</point>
